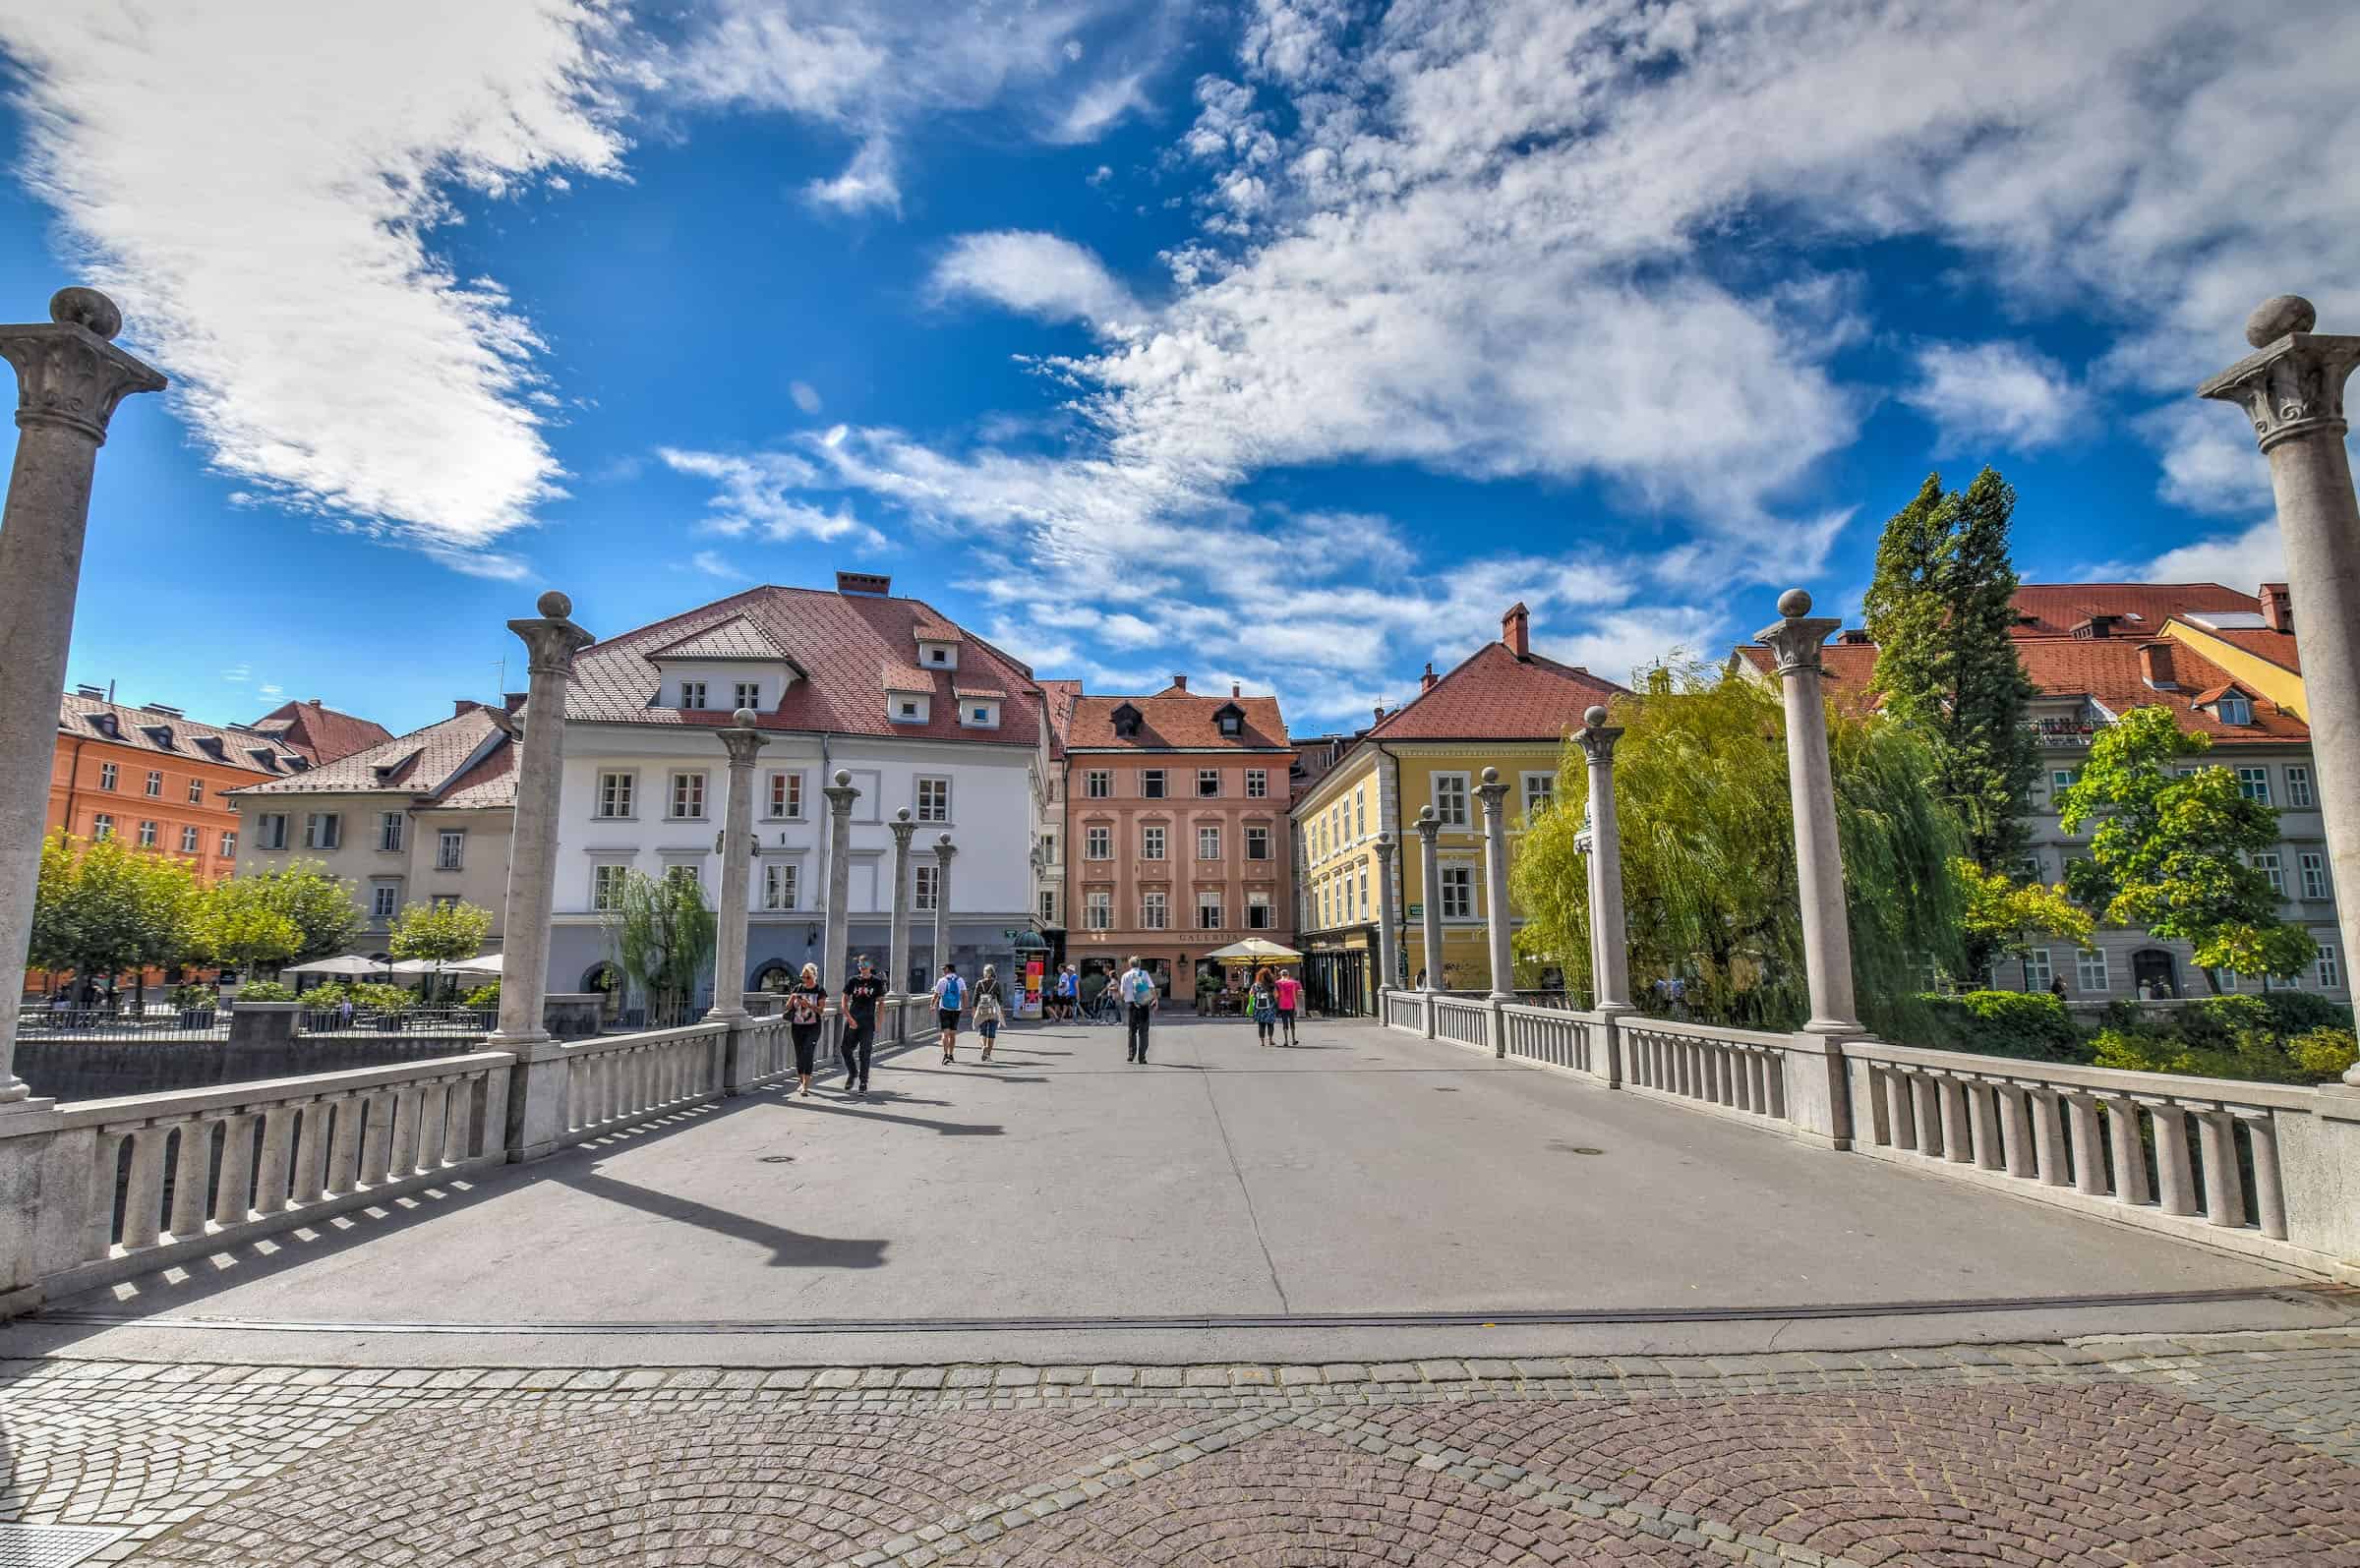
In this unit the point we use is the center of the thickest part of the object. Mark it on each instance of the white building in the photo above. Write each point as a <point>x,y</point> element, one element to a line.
<point>920,712</point>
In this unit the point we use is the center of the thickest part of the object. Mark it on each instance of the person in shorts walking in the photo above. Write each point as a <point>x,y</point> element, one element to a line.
<point>806,1006</point>
<point>950,995</point>
<point>1140,995</point>
<point>989,1008</point>
<point>1261,1005</point>
<point>857,1038</point>
<point>1290,1001</point>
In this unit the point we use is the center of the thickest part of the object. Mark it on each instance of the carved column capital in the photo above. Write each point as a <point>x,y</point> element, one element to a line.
<point>902,830</point>
<point>2293,385</point>
<point>841,795</point>
<point>944,850</point>
<point>68,375</point>
<point>1597,742</point>
<point>742,739</point>
<point>551,641</point>
<point>1428,825</point>
<point>1491,792</point>
<point>1385,849</point>
<point>1796,637</point>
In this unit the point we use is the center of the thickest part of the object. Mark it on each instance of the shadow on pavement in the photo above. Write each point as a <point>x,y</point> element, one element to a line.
<point>787,1249</point>
<point>864,1114</point>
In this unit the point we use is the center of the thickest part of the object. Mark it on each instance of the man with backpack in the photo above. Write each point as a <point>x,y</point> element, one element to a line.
<point>950,994</point>
<point>1140,995</point>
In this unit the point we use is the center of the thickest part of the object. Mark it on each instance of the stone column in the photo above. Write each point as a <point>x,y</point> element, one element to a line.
<point>834,955</point>
<point>741,740</point>
<point>897,982</point>
<point>70,378</point>
<point>1389,922</point>
<point>1499,926</point>
<point>2292,389</point>
<point>1430,920</point>
<point>943,850</point>
<point>1610,941</point>
<point>537,1088</point>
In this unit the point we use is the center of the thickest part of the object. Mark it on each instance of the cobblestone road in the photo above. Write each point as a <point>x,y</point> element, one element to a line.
<point>2228,1449</point>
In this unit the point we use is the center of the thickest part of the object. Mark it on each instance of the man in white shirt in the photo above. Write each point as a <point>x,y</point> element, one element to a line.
<point>1140,995</point>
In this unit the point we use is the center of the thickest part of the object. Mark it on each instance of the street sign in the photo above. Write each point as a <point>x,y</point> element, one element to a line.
<point>1416,909</point>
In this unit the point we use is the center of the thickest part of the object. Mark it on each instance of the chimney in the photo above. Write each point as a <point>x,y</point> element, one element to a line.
<point>2278,607</point>
<point>1515,630</point>
<point>1236,690</point>
<point>511,701</point>
<point>1379,719</point>
<point>1853,637</point>
<point>874,585</point>
<point>312,702</point>
<point>463,705</point>
<point>1426,680</point>
<point>1180,682</point>
<point>2154,666</point>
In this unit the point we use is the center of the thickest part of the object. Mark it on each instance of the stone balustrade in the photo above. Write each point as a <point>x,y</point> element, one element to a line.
<point>1463,1021</point>
<point>619,1079</point>
<point>1406,1010</point>
<point>1742,1071</point>
<point>1551,1036</point>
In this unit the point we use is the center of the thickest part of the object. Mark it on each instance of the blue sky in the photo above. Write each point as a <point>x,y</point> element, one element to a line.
<point>1284,341</point>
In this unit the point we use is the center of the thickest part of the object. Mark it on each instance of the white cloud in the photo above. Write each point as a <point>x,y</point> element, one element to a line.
<point>870,179</point>
<point>268,228</point>
<point>238,675</point>
<point>752,498</point>
<point>2211,463</point>
<point>806,398</point>
<point>2236,560</point>
<point>1036,274</point>
<point>713,564</point>
<point>270,691</point>
<point>2003,394</point>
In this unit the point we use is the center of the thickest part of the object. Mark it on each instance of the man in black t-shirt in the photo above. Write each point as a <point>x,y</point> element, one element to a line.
<point>857,1033</point>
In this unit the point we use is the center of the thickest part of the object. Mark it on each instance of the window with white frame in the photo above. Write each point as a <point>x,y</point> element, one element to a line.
<point>693,694</point>
<point>1151,842</point>
<point>1258,911</point>
<point>390,827</point>
<point>2267,864</point>
<point>1458,893</point>
<point>1048,848</point>
<point>229,846</point>
<point>2230,980</point>
<point>2254,785</point>
<point>748,694</point>
<point>155,781</point>
<point>1048,907</point>
<point>1258,842</point>
<point>103,827</point>
<point>2089,970</point>
<point>107,776</point>
<point>779,887</point>
<point>1098,783</point>
<point>384,899</point>
<point>1364,892</point>
<point>269,830</point>
<point>195,791</point>
<point>2330,975</point>
<point>2314,866</point>
<point>615,793</point>
<point>923,898</point>
<point>450,849</point>
<point>908,710</point>
<point>2298,786</point>
<point>1155,911</point>
<point>1258,783</point>
<point>1150,784</point>
<point>933,799</point>
<point>2234,709</point>
<point>786,799</point>
<point>2038,975</point>
<point>190,838</point>
<point>1450,798</point>
<point>1360,813</point>
<point>606,884</point>
<point>687,873</point>
<point>1098,910</point>
<point>323,830</point>
<point>147,835</point>
<point>1208,911</point>
<point>687,797</point>
<point>1208,783</point>
<point>1209,843</point>
<point>1098,844</point>
<point>445,901</point>
<point>1540,793</point>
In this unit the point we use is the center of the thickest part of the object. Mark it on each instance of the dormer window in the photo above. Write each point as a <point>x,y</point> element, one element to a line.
<point>2233,708</point>
<point>1231,719</point>
<point>693,694</point>
<point>1125,722</point>
<point>937,648</point>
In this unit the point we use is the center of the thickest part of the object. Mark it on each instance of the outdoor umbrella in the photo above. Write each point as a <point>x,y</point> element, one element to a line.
<point>486,964</point>
<point>1259,950</point>
<point>348,963</point>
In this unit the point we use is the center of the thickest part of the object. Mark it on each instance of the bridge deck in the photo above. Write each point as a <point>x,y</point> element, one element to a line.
<point>1364,1172</point>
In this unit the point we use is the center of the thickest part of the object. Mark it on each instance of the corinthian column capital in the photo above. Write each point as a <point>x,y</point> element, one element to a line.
<point>741,739</point>
<point>1796,637</point>
<point>551,641</point>
<point>2292,385</point>
<point>1596,737</point>
<point>68,374</point>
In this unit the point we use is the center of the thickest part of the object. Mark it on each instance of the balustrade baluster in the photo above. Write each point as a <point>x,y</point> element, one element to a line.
<point>191,1169</point>
<point>233,1195</point>
<point>2270,1193</point>
<point>1958,1140</point>
<point>2048,1138</point>
<point>433,1115</point>
<point>344,1147</point>
<point>2225,1187</point>
<point>402,1156</point>
<point>314,1150</point>
<point>1925,1112</point>
<point>1983,1127</point>
<point>106,1177</point>
<point>377,1138</point>
<point>459,1113</point>
<point>143,1187</point>
<point>275,1178</point>
<point>1774,1083</point>
<point>2089,1154</point>
<point>1901,1126</point>
<point>2130,1155</point>
<point>2015,1120</point>
<point>2176,1182</point>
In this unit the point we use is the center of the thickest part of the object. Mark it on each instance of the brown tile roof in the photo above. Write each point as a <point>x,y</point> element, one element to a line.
<point>845,642</point>
<point>423,762</point>
<point>895,674</point>
<point>1493,695</point>
<point>1849,666</point>
<point>1174,720</point>
<point>322,733</point>
<point>173,735</point>
<point>2277,647</point>
<point>735,638</point>
<point>1058,698</point>
<point>963,689</point>
<point>2140,608</point>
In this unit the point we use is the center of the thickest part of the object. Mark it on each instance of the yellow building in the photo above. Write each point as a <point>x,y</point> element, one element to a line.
<point>1505,708</point>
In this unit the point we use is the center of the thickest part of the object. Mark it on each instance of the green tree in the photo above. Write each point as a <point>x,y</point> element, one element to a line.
<point>440,933</point>
<point>663,935</point>
<point>2168,854</point>
<point>1708,855</point>
<point>237,931</point>
<point>1940,609</point>
<point>101,907</point>
<point>317,905</point>
<point>2001,914</point>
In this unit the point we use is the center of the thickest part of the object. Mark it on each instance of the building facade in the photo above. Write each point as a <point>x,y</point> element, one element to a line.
<point>1505,707</point>
<point>422,818</point>
<point>923,714</point>
<point>2227,665</point>
<point>1176,833</point>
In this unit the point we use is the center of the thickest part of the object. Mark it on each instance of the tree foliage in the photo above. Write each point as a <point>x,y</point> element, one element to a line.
<point>238,932</point>
<point>103,907</point>
<point>2002,914</point>
<point>2168,854</point>
<point>440,933</point>
<point>317,908</point>
<point>1940,608</point>
<point>662,936</point>
<point>1708,856</point>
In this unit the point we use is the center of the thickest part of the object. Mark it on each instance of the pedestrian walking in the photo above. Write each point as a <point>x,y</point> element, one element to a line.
<point>950,993</point>
<point>988,1008</point>
<point>806,1008</point>
<point>1261,1005</point>
<point>1290,1000</point>
<point>856,1029</point>
<point>1069,993</point>
<point>1140,995</point>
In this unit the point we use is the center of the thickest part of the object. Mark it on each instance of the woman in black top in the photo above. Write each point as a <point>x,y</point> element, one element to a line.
<point>806,1005</point>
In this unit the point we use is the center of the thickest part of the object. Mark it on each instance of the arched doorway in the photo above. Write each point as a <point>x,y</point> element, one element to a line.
<point>775,978</point>
<point>607,981</point>
<point>2155,973</point>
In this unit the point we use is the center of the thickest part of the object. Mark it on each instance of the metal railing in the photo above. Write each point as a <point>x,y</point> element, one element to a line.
<point>155,1024</point>
<point>405,1021</point>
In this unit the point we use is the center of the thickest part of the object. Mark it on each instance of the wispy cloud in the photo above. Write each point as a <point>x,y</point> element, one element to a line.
<point>1037,274</point>
<point>752,498</point>
<point>1994,395</point>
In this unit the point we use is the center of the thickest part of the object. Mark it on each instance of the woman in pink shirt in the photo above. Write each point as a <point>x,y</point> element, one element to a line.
<point>1290,997</point>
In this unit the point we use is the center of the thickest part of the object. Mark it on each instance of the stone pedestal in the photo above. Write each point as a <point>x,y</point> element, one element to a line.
<point>741,742</point>
<point>896,975</point>
<point>2291,388</point>
<point>263,1027</point>
<point>70,379</point>
<point>1388,923</point>
<point>572,1015</point>
<point>1430,920</point>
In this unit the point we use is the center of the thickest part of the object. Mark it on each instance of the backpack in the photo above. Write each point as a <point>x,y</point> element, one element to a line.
<point>1140,989</point>
<point>953,992</point>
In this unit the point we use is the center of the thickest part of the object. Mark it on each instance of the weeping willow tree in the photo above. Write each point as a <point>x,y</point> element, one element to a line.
<point>662,937</point>
<point>1708,856</point>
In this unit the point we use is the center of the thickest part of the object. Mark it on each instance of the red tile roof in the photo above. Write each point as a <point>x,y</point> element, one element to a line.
<point>1495,696</point>
<point>320,733</point>
<point>845,642</point>
<point>176,736</point>
<point>1176,720</point>
<point>1059,696</point>
<point>423,762</point>
<point>2141,609</point>
<point>735,638</point>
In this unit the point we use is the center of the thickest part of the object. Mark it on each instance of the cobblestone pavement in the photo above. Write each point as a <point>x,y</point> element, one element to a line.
<point>2221,1449</point>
